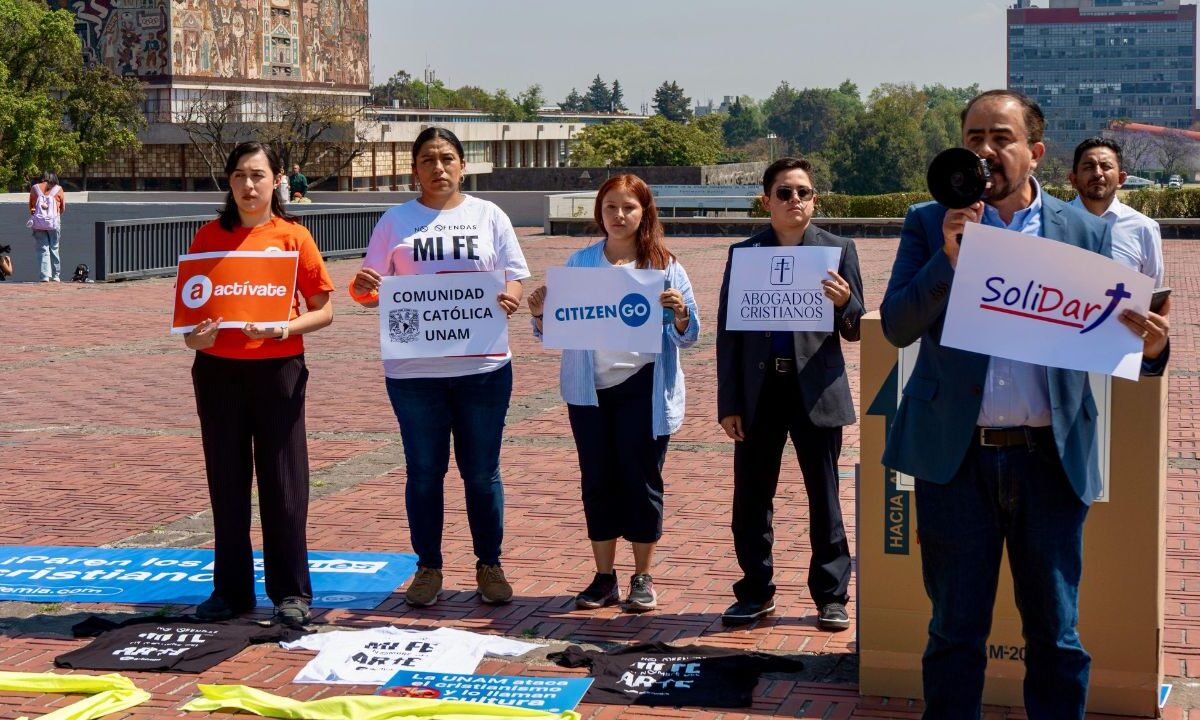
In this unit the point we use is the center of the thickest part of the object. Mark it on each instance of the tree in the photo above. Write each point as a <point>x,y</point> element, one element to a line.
<point>531,102</point>
<point>671,103</point>
<point>744,123</point>
<point>399,87</point>
<point>1176,152</point>
<point>213,125</point>
<point>314,131</point>
<point>574,102</point>
<point>884,150</point>
<point>600,145</point>
<point>39,52</point>
<point>617,97</point>
<point>105,112</point>
<point>598,98</point>
<point>658,141</point>
<point>1137,148</point>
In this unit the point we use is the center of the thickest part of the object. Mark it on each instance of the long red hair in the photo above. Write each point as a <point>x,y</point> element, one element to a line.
<point>652,252</point>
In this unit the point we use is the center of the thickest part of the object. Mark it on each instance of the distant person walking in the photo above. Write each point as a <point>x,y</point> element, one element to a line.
<point>298,182</point>
<point>249,385</point>
<point>46,207</point>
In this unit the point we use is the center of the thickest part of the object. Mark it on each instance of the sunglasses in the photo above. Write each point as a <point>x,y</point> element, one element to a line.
<point>784,193</point>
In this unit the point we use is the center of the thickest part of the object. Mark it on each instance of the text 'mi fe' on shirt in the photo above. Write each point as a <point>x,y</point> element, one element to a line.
<point>371,657</point>
<point>412,239</point>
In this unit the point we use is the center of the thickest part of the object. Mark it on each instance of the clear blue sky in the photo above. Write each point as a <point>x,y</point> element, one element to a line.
<point>711,48</point>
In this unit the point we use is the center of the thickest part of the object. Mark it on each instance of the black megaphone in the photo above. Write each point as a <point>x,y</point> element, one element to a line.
<point>958,178</point>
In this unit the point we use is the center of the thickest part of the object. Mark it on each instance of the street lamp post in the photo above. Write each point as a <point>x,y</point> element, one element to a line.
<point>771,146</point>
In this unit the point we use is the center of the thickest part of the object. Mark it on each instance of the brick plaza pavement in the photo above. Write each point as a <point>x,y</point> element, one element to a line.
<point>99,445</point>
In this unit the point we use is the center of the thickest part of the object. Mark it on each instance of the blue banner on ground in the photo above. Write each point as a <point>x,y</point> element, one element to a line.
<point>551,694</point>
<point>184,576</point>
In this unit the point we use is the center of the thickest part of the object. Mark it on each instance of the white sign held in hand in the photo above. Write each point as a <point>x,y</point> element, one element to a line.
<point>614,309</point>
<point>779,288</point>
<point>1045,302</point>
<point>442,315</point>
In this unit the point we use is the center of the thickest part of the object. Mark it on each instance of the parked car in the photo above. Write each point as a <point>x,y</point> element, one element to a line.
<point>1175,183</point>
<point>1134,182</point>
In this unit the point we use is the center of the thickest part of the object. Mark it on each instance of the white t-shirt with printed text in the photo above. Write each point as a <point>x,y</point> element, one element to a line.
<point>412,239</point>
<point>372,657</point>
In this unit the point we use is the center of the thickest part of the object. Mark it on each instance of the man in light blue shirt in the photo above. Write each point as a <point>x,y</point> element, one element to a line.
<point>1097,175</point>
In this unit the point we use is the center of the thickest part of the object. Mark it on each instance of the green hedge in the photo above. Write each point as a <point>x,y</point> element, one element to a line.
<point>1151,201</point>
<point>858,206</point>
<point>1165,203</point>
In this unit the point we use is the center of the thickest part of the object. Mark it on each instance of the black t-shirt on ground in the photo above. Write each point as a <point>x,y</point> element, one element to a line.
<point>180,645</point>
<point>659,674</point>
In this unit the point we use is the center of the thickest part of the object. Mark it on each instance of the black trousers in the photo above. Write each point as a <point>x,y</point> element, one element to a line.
<point>252,422</point>
<point>621,461</point>
<point>756,462</point>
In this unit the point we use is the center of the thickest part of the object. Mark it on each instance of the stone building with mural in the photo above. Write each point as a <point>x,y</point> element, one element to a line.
<point>260,57</point>
<point>195,54</point>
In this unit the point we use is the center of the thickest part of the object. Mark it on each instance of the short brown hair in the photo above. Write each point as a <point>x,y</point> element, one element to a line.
<point>1035,120</point>
<point>784,164</point>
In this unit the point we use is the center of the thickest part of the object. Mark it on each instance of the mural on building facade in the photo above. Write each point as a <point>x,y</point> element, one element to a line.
<point>129,36</point>
<point>311,41</point>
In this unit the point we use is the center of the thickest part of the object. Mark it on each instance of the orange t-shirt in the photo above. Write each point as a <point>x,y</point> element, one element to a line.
<point>311,279</point>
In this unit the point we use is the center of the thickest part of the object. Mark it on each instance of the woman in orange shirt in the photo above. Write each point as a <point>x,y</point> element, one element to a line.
<point>249,384</point>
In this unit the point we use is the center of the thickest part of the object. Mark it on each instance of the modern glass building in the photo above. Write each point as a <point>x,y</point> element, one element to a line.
<point>1087,62</point>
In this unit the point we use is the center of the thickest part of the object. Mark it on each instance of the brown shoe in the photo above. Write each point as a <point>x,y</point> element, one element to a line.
<point>424,588</point>
<point>493,588</point>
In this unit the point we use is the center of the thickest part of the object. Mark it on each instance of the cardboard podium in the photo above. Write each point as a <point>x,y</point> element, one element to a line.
<point>1122,593</point>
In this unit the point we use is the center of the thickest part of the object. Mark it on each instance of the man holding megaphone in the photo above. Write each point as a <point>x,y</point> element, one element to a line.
<point>1004,452</point>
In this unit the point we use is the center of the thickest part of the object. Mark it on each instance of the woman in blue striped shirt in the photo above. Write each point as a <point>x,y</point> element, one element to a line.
<point>624,406</point>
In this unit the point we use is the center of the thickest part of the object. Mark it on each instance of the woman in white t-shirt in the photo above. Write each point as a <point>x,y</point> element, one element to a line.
<point>624,406</point>
<point>445,230</point>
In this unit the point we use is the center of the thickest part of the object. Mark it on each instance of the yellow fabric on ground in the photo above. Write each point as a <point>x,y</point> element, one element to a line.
<point>109,693</point>
<point>355,707</point>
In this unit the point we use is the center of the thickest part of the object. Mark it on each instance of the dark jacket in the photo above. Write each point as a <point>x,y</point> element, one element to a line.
<point>936,420</point>
<point>742,356</point>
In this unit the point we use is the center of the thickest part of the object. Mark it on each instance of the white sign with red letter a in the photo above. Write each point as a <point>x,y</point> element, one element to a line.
<point>1044,302</point>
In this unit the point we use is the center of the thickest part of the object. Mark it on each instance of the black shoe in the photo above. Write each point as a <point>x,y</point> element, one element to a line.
<point>744,612</point>
<point>293,611</point>
<point>641,594</point>
<point>601,593</point>
<point>216,608</point>
<point>833,617</point>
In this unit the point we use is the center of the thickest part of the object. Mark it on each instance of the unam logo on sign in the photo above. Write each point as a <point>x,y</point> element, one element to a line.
<point>403,325</point>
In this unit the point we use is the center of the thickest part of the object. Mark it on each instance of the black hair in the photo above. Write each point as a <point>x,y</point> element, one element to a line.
<point>1035,119</point>
<point>783,165</point>
<point>1095,142</point>
<point>228,216</point>
<point>435,133</point>
<point>50,178</point>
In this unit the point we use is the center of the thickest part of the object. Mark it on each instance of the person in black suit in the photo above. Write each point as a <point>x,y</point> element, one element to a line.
<point>772,384</point>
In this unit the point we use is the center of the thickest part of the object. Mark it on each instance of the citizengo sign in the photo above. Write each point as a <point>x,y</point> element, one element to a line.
<point>240,286</point>
<point>603,309</point>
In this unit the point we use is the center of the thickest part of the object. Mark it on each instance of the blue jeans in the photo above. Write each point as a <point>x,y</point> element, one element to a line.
<point>1019,497</point>
<point>47,250</point>
<point>471,408</point>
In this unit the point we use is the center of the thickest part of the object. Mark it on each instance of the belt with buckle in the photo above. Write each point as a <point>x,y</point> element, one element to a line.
<point>783,365</point>
<point>1023,436</point>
